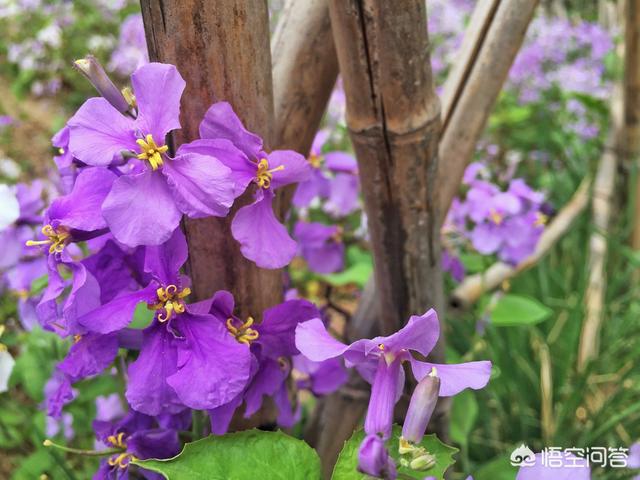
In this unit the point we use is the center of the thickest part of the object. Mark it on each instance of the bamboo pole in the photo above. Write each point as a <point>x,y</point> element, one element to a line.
<point>489,48</point>
<point>631,128</point>
<point>393,121</point>
<point>472,287</point>
<point>221,48</point>
<point>598,249</point>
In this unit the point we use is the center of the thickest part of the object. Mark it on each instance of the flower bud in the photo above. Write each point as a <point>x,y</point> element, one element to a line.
<point>374,459</point>
<point>422,462</point>
<point>423,402</point>
<point>93,71</point>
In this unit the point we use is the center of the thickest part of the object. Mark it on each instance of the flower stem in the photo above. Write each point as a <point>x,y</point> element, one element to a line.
<point>90,453</point>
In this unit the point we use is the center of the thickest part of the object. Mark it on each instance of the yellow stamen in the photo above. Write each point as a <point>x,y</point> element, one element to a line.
<point>129,97</point>
<point>264,175</point>
<point>170,299</point>
<point>61,151</point>
<point>151,152</point>
<point>56,239</point>
<point>381,346</point>
<point>243,334</point>
<point>117,440</point>
<point>541,219</point>
<point>122,460</point>
<point>77,338</point>
<point>496,217</point>
<point>315,160</point>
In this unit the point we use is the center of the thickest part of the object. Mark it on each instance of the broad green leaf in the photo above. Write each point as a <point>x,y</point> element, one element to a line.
<point>142,316</point>
<point>247,455</point>
<point>513,310</point>
<point>346,467</point>
<point>464,412</point>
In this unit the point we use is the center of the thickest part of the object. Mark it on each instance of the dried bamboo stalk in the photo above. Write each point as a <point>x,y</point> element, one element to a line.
<point>601,205</point>
<point>472,287</point>
<point>630,140</point>
<point>222,60</point>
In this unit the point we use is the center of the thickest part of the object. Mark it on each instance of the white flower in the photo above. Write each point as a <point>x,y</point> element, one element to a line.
<point>9,206</point>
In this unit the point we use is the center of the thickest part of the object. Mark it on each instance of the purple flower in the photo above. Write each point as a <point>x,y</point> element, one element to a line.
<point>377,357</point>
<point>270,343</point>
<point>64,424</point>
<point>57,393</point>
<point>131,52</point>
<point>321,246</point>
<point>321,378</point>
<point>109,407</point>
<point>374,459</point>
<point>20,280</point>
<point>145,204</point>
<point>263,239</point>
<point>134,438</point>
<point>423,402</point>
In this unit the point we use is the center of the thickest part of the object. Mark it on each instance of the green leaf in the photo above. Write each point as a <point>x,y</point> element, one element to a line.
<point>498,469</point>
<point>346,466</point>
<point>464,412</point>
<point>358,272</point>
<point>244,455</point>
<point>514,310</point>
<point>142,317</point>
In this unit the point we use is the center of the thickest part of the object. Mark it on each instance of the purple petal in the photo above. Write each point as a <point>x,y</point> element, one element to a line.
<point>201,185</point>
<point>571,468</point>
<point>374,459</point>
<point>154,443</point>
<point>296,168</point>
<point>315,186</point>
<point>341,162</point>
<point>158,88</point>
<point>202,380</point>
<point>343,195</point>
<point>455,377</point>
<point>315,343</point>
<point>148,391</point>
<point>98,133</point>
<point>165,261</point>
<point>89,356</point>
<point>221,121</point>
<point>221,416</point>
<point>263,239</point>
<point>267,380</point>
<point>243,171</point>
<point>140,209</point>
<point>385,392</point>
<point>278,326</point>
<point>81,209</point>
<point>419,334</point>
<point>118,313</point>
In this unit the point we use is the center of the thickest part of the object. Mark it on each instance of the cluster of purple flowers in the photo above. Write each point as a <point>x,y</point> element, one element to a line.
<point>506,222</point>
<point>332,188</point>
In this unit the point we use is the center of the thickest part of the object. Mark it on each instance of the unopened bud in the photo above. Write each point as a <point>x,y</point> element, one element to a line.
<point>423,402</point>
<point>93,71</point>
<point>423,462</point>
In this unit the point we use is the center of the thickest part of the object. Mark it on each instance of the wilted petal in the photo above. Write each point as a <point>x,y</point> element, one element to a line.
<point>140,209</point>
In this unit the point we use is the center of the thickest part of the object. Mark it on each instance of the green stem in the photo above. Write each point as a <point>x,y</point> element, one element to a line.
<point>89,453</point>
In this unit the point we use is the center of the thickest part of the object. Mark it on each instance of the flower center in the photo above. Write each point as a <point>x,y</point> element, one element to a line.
<point>120,460</point>
<point>56,239</point>
<point>264,175</point>
<point>495,217</point>
<point>170,301</point>
<point>244,333</point>
<point>541,219</point>
<point>151,152</point>
<point>315,160</point>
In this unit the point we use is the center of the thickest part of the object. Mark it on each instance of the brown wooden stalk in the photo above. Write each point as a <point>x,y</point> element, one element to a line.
<point>630,140</point>
<point>393,121</point>
<point>495,34</point>
<point>305,68</point>
<point>222,50</point>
